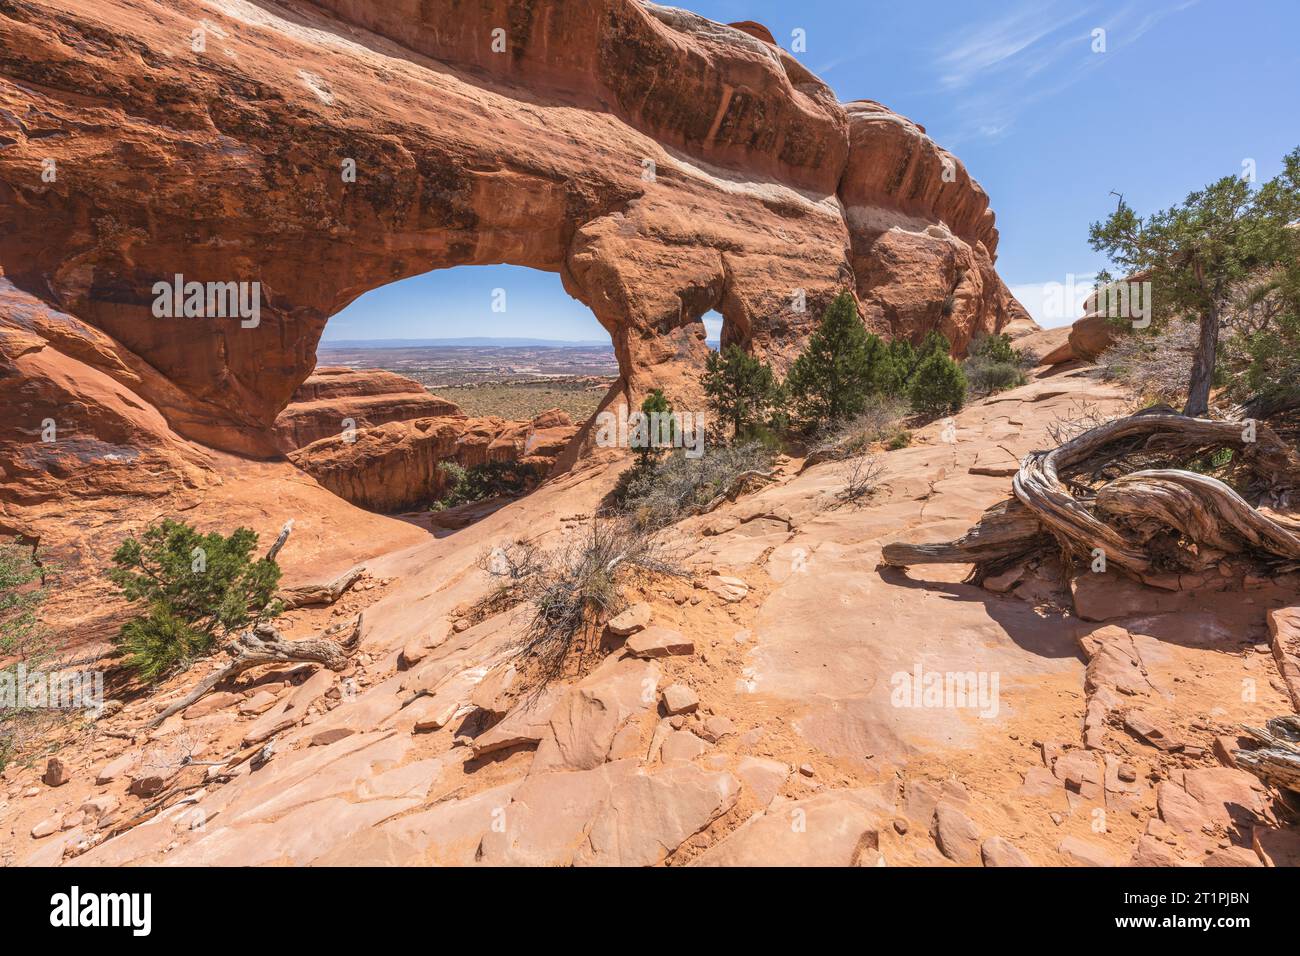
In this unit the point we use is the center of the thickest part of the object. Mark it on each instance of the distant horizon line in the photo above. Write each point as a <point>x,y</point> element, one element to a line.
<point>489,341</point>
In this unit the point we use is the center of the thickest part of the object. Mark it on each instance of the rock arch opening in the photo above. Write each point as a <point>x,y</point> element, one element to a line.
<point>448,387</point>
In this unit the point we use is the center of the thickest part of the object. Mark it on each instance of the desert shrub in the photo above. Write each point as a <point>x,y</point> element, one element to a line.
<point>194,587</point>
<point>23,639</point>
<point>879,421</point>
<point>22,592</point>
<point>900,361</point>
<point>861,478</point>
<point>658,493</point>
<point>657,430</point>
<point>491,479</point>
<point>575,587</point>
<point>742,391</point>
<point>1155,364</point>
<point>1079,417</point>
<point>994,365</point>
<point>938,387</point>
<point>985,378</point>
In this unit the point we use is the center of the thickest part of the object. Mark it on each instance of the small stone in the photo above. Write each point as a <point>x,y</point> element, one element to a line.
<point>955,834</point>
<point>210,705</point>
<point>331,736</point>
<point>728,588</point>
<point>74,819</point>
<point>715,728</point>
<point>995,851</point>
<point>681,745</point>
<point>414,652</point>
<point>437,720</point>
<point>258,704</point>
<point>900,825</point>
<point>1079,852</point>
<point>679,699</point>
<point>96,807</point>
<point>147,785</point>
<point>806,769</point>
<point>659,642</point>
<point>45,828</point>
<point>460,624</point>
<point>1152,730</point>
<point>1127,773</point>
<point>636,618</point>
<point>57,773</point>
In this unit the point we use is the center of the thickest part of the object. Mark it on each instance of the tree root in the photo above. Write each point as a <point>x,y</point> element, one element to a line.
<point>309,595</point>
<point>1277,763</point>
<point>1148,521</point>
<point>265,645</point>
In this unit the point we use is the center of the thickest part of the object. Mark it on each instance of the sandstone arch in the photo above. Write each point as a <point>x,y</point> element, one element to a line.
<point>224,164</point>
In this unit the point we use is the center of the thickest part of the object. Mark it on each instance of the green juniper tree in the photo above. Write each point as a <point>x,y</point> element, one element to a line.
<point>1198,253</point>
<point>838,369</point>
<point>741,390</point>
<point>194,588</point>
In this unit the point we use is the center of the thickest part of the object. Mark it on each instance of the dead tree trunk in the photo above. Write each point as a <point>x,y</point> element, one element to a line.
<point>307,595</point>
<point>265,645</point>
<point>1278,761</point>
<point>1124,515</point>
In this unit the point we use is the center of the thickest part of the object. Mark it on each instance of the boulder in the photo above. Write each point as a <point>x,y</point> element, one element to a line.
<point>634,619</point>
<point>679,699</point>
<point>115,768</point>
<point>57,772</point>
<point>1076,851</point>
<point>582,725</point>
<point>1284,630</point>
<point>995,851</point>
<point>728,588</point>
<point>836,828</point>
<point>659,642</point>
<point>955,834</point>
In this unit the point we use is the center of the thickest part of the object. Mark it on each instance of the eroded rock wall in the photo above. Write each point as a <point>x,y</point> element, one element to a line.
<point>664,165</point>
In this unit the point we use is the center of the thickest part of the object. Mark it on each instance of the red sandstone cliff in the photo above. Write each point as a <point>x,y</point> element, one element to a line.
<point>662,164</point>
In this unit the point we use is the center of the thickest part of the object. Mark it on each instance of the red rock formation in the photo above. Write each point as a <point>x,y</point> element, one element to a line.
<point>334,399</point>
<point>395,466</point>
<point>664,165</point>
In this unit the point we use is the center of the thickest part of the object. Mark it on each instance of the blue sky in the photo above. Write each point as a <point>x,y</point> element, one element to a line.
<point>1186,91</point>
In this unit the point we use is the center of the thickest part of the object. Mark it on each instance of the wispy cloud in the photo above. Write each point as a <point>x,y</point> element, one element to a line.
<point>994,46</point>
<point>994,71</point>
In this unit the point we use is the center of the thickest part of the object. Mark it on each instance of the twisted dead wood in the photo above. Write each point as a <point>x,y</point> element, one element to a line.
<point>265,645</point>
<point>1124,515</point>
<point>326,593</point>
<point>1278,761</point>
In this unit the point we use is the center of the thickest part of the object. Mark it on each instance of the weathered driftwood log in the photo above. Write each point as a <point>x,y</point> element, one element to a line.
<point>274,553</point>
<point>1203,508</point>
<point>1007,530</point>
<point>1278,761</point>
<point>308,595</point>
<point>1123,515</point>
<point>265,645</point>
